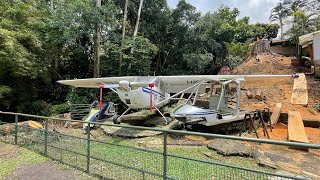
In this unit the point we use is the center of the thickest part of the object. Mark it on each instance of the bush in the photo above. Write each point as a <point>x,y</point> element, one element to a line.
<point>60,109</point>
<point>234,61</point>
<point>238,49</point>
<point>40,108</point>
<point>81,95</point>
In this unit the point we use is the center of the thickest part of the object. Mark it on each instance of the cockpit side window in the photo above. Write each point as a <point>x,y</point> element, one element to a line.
<point>112,109</point>
<point>128,101</point>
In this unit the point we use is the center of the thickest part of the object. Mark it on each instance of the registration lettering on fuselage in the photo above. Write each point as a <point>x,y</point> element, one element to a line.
<point>191,82</point>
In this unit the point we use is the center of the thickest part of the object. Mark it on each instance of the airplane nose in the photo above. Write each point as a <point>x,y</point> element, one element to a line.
<point>125,85</point>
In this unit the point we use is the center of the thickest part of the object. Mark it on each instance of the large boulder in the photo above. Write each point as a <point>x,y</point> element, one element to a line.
<point>128,132</point>
<point>228,147</point>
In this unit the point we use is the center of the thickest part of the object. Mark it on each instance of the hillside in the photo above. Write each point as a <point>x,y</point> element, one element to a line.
<point>276,90</point>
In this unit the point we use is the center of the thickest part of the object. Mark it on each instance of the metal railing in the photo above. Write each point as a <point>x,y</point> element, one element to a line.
<point>116,160</point>
<point>78,111</point>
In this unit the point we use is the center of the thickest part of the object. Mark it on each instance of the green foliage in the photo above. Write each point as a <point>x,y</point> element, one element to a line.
<point>4,90</point>
<point>302,24</point>
<point>60,109</point>
<point>81,95</point>
<point>197,63</point>
<point>137,54</point>
<point>238,48</point>
<point>302,14</point>
<point>39,46</point>
<point>234,61</point>
<point>265,30</point>
<point>237,53</point>
<point>39,107</point>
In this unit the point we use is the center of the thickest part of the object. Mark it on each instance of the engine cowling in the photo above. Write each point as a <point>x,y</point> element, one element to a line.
<point>124,85</point>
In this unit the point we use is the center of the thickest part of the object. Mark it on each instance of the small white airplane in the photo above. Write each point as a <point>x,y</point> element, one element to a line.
<point>153,92</point>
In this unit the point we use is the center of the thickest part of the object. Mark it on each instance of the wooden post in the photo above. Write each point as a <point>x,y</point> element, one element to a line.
<point>275,115</point>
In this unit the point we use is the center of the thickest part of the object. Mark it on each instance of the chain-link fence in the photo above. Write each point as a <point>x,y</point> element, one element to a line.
<point>117,160</point>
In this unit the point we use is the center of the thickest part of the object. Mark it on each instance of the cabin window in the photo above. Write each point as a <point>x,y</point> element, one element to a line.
<point>112,109</point>
<point>128,101</point>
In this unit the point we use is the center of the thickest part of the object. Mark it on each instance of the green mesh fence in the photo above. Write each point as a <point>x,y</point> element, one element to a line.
<point>110,160</point>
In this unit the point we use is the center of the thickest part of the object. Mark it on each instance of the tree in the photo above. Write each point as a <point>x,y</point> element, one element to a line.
<point>124,24</point>
<point>43,41</point>
<point>302,24</point>
<point>96,48</point>
<point>262,30</point>
<point>138,19</point>
<point>278,13</point>
<point>23,66</point>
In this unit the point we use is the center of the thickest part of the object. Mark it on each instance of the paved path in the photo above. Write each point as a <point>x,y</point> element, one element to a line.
<point>46,170</point>
<point>19,163</point>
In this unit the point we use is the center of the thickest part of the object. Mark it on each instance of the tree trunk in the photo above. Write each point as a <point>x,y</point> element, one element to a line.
<point>96,48</point>
<point>51,5</point>
<point>135,32</point>
<point>138,19</point>
<point>123,33</point>
<point>281,29</point>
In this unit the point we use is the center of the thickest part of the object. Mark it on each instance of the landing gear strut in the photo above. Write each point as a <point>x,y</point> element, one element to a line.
<point>117,119</point>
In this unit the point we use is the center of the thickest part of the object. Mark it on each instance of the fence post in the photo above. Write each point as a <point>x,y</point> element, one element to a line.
<point>16,129</point>
<point>88,148</point>
<point>164,155</point>
<point>46,137</point>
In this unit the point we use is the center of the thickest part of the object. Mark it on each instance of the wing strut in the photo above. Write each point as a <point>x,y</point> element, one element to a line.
<point>151,85</point>
<point>101,86</point>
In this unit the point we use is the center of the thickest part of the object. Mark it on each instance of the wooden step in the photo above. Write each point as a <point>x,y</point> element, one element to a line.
<point>296,130</point>
<point>275,115</point>
<point>300,91</point>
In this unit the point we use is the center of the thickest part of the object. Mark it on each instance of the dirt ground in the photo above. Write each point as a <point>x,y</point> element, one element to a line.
<point>279,90</point>
<point>294,160</point>
<point>276,89</point>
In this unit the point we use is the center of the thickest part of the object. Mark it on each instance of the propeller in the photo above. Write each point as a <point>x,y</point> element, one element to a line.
<point>151,85</point>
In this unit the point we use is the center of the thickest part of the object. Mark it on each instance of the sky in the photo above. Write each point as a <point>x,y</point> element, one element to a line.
<point>257,10</point>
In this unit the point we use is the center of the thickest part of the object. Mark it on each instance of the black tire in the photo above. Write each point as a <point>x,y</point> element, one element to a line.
<point>116,119</point>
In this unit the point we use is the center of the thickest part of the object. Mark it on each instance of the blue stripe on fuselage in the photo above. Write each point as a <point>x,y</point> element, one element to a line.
<point>147,90</point>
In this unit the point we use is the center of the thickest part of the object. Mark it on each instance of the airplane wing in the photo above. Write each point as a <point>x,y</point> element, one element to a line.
<point>95,82</point>
<point>172,84</point>
<point>175,84</point>
<point>191,79</point>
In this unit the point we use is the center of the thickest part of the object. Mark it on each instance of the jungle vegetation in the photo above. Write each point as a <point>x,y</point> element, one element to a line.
<point>42,41</point>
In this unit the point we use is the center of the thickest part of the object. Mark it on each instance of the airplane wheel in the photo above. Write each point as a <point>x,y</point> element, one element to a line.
<point>116,119</point>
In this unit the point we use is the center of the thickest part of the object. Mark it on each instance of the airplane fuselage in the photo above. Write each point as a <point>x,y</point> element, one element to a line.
<point>139,98</point>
